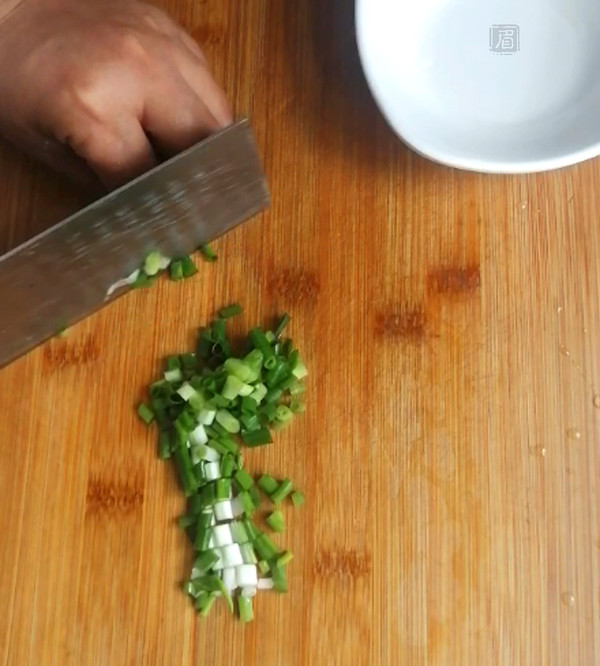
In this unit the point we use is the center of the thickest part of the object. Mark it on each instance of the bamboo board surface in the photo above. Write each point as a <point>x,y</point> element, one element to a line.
<point>450,450</point>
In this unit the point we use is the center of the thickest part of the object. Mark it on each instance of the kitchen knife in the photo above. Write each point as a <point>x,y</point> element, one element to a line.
<point>70,270</point>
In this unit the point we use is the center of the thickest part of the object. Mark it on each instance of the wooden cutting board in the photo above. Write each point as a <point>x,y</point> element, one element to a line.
<point>450,451</point>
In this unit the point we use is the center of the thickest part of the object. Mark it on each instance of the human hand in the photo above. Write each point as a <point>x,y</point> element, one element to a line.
<point>106,87</point>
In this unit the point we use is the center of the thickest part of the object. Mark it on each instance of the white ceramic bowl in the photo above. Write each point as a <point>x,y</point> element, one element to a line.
<point>496,86</point>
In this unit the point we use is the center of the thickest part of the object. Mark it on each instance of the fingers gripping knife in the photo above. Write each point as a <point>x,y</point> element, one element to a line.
<point>67,272</point>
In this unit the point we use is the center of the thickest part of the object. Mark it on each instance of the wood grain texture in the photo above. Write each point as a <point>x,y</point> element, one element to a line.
<point>451,322</point>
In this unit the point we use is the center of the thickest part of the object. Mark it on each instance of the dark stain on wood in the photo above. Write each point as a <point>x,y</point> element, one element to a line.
<point>454,280</point>
<point>110,496</point>
<point>60,354</point>
<point>294,285</point>
<point>342,563</point>
<point>405,322</point>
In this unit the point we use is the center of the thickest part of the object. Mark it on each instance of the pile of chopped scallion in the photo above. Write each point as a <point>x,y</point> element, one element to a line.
<point>207,404</point>
<point>178,269</point>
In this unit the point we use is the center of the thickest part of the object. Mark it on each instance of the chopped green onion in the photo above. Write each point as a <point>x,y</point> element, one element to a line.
<point>251,529</point>
<point>284,558</point>
<point>223,486</point>
<point>245,609</point>
<point>206,516</point>
<point>173,362</point>
<point>249,405</point>
<point>188,361</point>
<point>238,532</point>
<point>254,360</point>
<point>247,502</point>
<point>205,561</point>
<point>243,479</point>
<point>206,404</point>
<point>228,444</point>
<point>173,376</point>
<point>213,583</point>
<point>204,603</point>
<point>228,421</point>
<point>297,389</point>
<point>264,547</point>
<point>207,253</point>
<point>202,540</point>
<point>142,281</point>
<point>269,411</point>
<point>186,521</point>
<point>268,484</point>
<point>188,267</point>
<point>261,343</point>
<point>186,474</point>
<point>297,407</point>
<point>284,321</point>
<point>250,423</point>
<point>232,387</point>
<point>284,414</point>
<point>176,271</point>
<point>297,498</point>
<point>248,554</point>
<point>259,393</point>
<point>277,373</point>
<point>279,579</point>
<point>145,413</point>
<point>255,496</point>
<point>300,371</point>
<point>283,490</point>
<point>230,311</point>
<point>239,369</point>
<point>227,466</point>
<point>275,521</point>
<point>273,395</point>
<point>186,391</point>
<point>154,263</point>
<point>164,445</point>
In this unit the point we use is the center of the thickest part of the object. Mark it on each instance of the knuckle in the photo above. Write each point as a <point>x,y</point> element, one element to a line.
<point>129,47</point>
<point>98,146</point>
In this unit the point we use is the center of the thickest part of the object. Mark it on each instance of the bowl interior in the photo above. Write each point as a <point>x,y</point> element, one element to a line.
<point>497,85</point>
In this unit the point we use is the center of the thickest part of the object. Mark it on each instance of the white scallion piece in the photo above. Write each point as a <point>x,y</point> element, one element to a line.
<point>246,575</point>
<point>246,389</point>
<point>173,375</point>
<point>249,591</point>
<point>231,555</point>
<point>207,416</point>
<point>186,391</point>
<point>212,471</point>
<point>197,452</point>
<point>223,510</point>
<point>198,435</point>
<point>221,534</point>
<point>211,455</point>
<point>236,507</point>
<point>125,282</point>
<point>265,584</point>
<point>229,578</point>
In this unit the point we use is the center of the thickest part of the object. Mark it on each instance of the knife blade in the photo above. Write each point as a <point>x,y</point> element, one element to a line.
<point>67,272</point>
